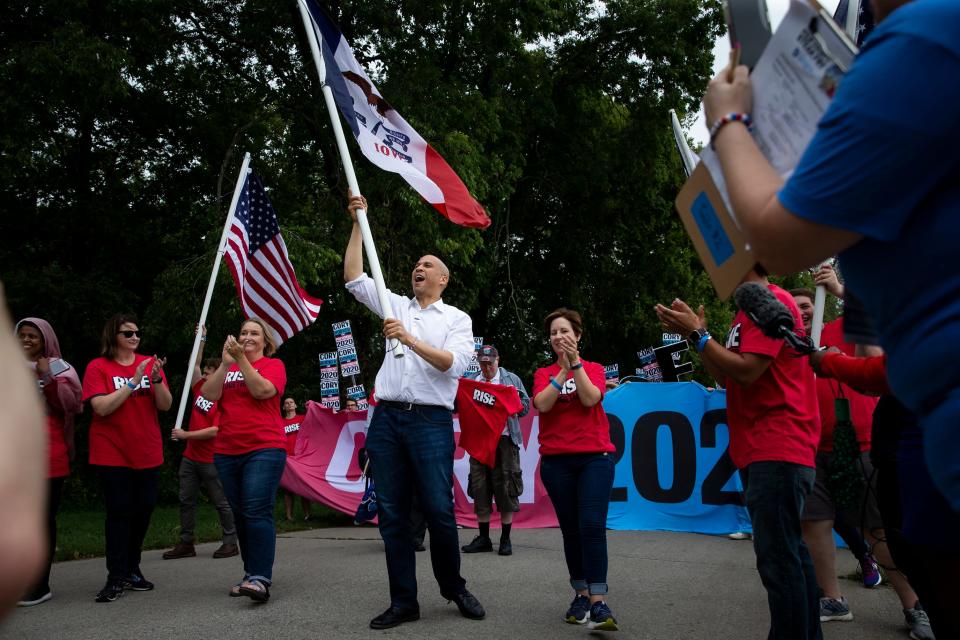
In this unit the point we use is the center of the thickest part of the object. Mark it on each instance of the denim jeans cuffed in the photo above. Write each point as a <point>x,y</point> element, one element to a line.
<point>250,482</point>
<point>413,450</point>
<point>775,494</point>
<point>579,486</point>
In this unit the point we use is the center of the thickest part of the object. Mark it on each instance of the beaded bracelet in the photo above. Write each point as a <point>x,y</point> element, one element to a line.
<point>745,118</point>
<point>556,384</point>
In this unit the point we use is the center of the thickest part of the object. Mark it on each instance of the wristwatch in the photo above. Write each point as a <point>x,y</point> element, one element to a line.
<point>694,338</point>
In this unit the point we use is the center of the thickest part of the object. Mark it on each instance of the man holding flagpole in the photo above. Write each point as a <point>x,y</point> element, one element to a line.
<point>410,439</point>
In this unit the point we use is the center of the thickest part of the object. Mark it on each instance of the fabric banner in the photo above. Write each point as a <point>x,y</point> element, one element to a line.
<point>672,472</point>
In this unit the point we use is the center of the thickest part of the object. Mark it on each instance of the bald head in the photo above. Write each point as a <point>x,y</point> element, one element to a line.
<point>429,278</point>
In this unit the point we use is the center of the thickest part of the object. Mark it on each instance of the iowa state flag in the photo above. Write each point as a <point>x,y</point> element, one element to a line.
<point>385,138</point>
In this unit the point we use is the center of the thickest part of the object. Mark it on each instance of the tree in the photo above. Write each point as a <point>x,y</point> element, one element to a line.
<point>126,124</point>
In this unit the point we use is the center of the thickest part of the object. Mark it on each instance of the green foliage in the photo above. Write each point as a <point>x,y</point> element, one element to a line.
<point>80,531</point>
<point>126,122</point>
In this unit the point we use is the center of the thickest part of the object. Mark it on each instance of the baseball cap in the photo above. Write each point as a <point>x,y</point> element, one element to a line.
<point>488,353</point>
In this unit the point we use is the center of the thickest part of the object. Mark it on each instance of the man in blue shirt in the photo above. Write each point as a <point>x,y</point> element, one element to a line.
<point>879,183</point>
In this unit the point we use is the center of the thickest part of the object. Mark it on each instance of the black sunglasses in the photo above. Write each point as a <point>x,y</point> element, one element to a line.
<point>128,333</point>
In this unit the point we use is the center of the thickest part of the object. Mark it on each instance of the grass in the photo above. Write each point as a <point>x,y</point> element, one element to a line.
<point>80,531</point>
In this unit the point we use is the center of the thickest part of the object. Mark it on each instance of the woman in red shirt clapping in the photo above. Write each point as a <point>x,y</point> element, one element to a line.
<point>125,391</point>
<point>576,466</point>
<point>250,448</point>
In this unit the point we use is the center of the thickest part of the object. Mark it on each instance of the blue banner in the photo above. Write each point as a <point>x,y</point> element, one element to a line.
<point>673,471</point>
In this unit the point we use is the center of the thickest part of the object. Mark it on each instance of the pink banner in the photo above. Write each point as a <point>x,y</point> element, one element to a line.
<point>324,467</point>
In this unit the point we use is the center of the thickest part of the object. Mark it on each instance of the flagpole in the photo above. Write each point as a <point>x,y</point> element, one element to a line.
<point>686,155</point>
<point>244,169</point>
<point>334,112</point>
<point>819,302</point>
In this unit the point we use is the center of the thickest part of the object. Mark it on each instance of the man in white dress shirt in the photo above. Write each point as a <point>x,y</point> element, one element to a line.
<point>410,439</point>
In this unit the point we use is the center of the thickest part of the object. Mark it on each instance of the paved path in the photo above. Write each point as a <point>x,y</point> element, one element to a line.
<point>330,582</point>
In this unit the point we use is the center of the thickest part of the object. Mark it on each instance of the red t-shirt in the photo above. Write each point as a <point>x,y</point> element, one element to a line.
<point>130,436</point>
<point>248,424</point>
<point>861,406</point>
<point>570,427</point>
<point>291,427</point>
<point>775,418</point>
<point>58,456</point>
<point>483,409</point>
<point>205,413</point>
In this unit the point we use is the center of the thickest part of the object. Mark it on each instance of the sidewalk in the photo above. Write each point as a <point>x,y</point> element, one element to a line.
<point>330,582</point>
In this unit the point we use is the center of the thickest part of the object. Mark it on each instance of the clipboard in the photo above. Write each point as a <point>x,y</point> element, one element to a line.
<point>721,245</point>
<point>716,235</point>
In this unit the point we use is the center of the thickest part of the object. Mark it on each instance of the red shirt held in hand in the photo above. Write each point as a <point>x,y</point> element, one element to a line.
<point>291,428</point>
<point>248,424</point>
<point>775,418</point>
<point>570,427</point>
<point>483,409</point>
<point>130,436</point>
<point>205,413</point>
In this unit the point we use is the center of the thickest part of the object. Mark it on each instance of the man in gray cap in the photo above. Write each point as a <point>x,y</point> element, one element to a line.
<point>504,482</point>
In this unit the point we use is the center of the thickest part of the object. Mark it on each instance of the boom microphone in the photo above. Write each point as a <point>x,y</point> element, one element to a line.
<point>771,316</point>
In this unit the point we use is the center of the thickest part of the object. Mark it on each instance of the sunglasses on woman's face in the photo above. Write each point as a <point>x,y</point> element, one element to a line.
<point>129,334</point>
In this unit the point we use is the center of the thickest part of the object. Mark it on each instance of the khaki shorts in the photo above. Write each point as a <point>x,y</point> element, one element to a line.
<point>504,482</point>
<point>820,505</point>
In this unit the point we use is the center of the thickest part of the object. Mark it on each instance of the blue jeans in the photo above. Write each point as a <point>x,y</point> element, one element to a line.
<point>414,450</point>
<point>775,493</point>
<point>579,486</point>
<point>250,481</point>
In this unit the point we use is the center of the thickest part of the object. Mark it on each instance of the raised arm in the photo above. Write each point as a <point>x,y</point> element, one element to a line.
<point>353,256</point>
<point>720,362</point>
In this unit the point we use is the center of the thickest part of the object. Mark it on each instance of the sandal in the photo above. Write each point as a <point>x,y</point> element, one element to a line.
<point>235,590</point>
<point>255,590</point>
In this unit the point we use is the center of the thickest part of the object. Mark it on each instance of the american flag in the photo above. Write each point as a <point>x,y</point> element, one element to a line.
<point>854,17</point>
<point>260,264</point>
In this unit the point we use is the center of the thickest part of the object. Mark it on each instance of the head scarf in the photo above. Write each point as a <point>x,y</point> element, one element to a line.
<point>69,389</point>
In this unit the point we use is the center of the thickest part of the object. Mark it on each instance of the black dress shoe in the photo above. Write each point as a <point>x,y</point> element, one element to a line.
<point>469,606</point>
<point>506,549</point>
<point>395,616</point>
<point>479,544</point>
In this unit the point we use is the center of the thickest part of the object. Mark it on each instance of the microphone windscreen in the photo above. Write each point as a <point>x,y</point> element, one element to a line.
<point>758,302</point>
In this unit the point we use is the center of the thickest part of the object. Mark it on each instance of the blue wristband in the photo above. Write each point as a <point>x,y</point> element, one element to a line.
<point>556,384</point>
<point>703,342</point>
<point>131,385</point>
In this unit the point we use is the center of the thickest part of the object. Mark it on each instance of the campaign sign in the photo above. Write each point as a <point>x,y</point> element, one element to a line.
<point>341,328</point>
<point>612,372</point>
<point>672,468</point>
<point>649,369</point>
<point>673,471</point>
<point>356,392</point>
<point>474,366</point>
<point>673,338</point>
<point>328,359</point>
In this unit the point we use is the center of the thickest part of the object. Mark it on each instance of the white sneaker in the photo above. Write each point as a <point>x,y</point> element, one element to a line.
<point>740,535</point>
<point>34,600</point>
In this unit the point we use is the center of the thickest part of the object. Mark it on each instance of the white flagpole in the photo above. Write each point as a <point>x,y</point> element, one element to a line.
<point>334,112</point>
<point>244,169</point>
<point>687,156</point>
<point>819,302</point>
